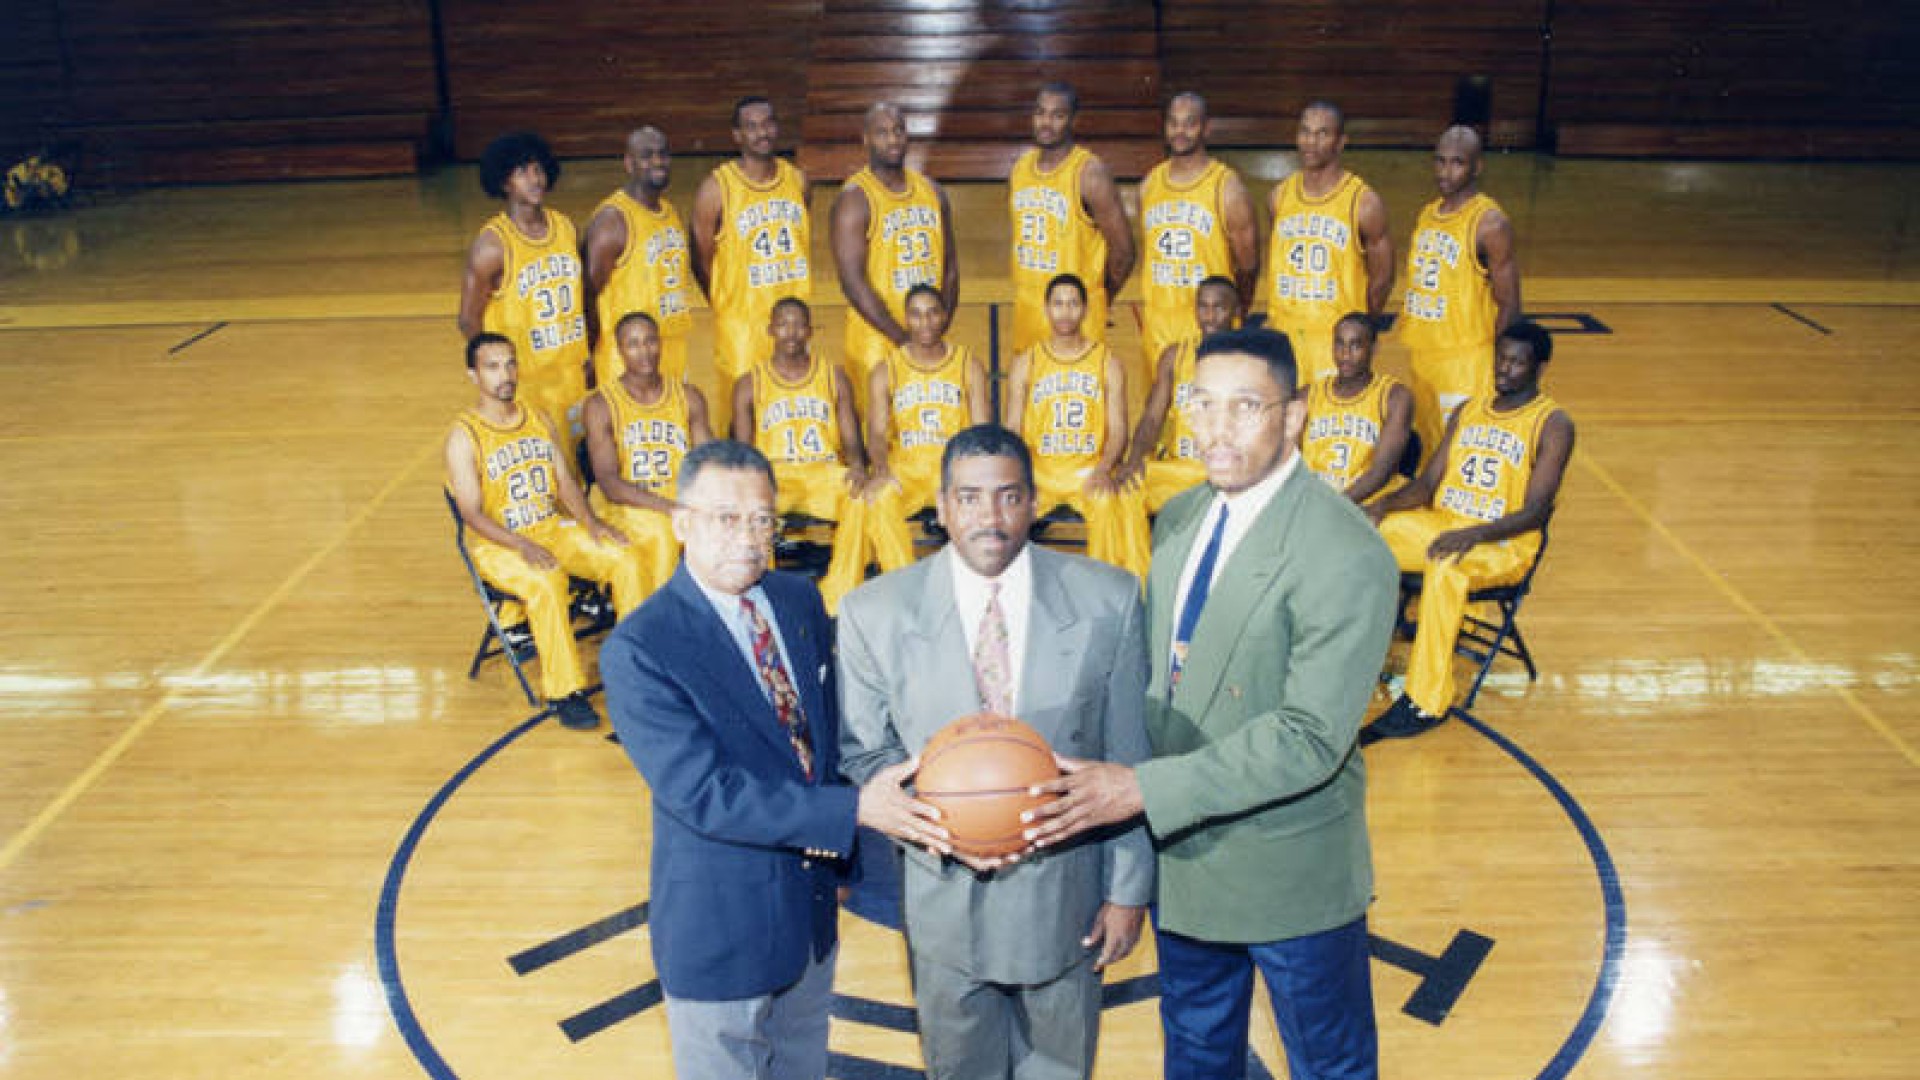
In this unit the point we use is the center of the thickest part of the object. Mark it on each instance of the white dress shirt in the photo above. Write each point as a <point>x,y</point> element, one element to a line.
<point>1016,601</point>
<point>1242,510</point>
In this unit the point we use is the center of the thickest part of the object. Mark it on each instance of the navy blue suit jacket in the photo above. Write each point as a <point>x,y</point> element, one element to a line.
<point>741,890</point>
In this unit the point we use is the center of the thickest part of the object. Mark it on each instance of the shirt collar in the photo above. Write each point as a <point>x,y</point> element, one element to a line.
<point>1016,578</point>
<point>1246,505</point>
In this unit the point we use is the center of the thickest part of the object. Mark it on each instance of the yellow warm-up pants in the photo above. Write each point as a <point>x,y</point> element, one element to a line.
<point>651,531</point>
<point>556,390</point>
<point>861,526</point>
<point>545,592</point>
<point>1160,481</point>
<point>1117,532</point>
<point>1443,593</point>
<point>1441,382</point>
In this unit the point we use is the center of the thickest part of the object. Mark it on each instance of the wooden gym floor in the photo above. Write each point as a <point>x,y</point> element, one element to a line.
<point>257,822</point>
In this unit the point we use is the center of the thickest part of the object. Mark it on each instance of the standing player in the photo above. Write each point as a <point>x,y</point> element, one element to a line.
<point>1330,252</point>
<point>1067,219</point>
<point>1463,287</point>
<point>523,279</point>
<point>1167,459</point>
<point>637,260</point>
<point>1198,223</point>
<point>1357,420</point>
<point>639,426</point>
<point>751,238</point>
<point>924,393</point>
<point>1067,397</point>
<point>798,411</point>
<point>532,526</point>
<point>1473,516</point>
<point>892,232</point>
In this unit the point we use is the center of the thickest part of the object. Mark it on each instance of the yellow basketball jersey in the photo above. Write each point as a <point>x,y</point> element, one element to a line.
<point>796,423</point>
<point>650,439</point>
<point>519,469</point>
<point>1490,459</point>
<point>1319,271</point>
<point>1449,304</point>
<point>906,246</point>
<point>650,275</point>
<point>929,407</point>
<point>1053,234</point>
<point>761,254</point>
<point>1185,229</point>
<point>541,301</point>
<point>1176,435</point>
<point>1066,410</point>
<point>1342,433</point>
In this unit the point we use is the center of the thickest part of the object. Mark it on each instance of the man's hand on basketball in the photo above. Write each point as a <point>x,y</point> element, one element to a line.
<point>886,806</point>
<point>1091,794</point>
<point>985,866</point>
<point>1116,930</point>
<point>536,556</point>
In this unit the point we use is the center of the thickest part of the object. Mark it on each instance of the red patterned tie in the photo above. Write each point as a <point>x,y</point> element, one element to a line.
<point>773,673</point>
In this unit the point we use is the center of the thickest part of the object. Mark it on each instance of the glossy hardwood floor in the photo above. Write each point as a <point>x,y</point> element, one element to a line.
<point>257,822</point>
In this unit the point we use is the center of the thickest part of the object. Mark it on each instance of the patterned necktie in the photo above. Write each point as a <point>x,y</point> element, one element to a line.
<point>1196,599</point>
<point>992,670</point>
<point>773,674</point>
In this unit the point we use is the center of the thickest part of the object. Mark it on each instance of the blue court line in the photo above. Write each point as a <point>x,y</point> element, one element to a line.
<point>1612,897</point>
<point>622,1006</point>
<point>385,953</point>
<point>552,952</point>
<point>844,1067</point>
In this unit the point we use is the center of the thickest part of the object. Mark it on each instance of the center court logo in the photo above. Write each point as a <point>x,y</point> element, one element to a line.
<point>590,987</point>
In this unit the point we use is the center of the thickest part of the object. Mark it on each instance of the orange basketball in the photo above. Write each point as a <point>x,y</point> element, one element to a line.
<point>977,771</point>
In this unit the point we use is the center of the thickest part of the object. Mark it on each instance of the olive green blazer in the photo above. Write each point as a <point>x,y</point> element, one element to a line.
<point>1256,794</point>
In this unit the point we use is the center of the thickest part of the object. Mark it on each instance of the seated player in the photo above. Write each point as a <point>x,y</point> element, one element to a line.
<point>1067,397</point>
<point>1473,516</point>
<point>531,523</point>
<point>1358,420</point>
<point>1165,458</point>
<point>798,410</point>
<point>924,393</point>
<point>639,426</point>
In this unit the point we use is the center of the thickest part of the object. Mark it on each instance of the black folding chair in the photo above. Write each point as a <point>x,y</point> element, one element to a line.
<point>591,610</point>
<point>1483,640</point>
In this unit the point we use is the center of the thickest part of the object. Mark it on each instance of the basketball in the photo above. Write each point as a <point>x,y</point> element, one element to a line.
<point>977,770</point>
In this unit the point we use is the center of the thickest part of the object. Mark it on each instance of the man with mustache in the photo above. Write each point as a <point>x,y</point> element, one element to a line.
<point>1006,955</point>
<point>1269,609</point>
<point>722,690</point>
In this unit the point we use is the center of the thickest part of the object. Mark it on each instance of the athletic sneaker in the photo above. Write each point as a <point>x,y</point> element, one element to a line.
<point>576,711</point>
<point>1402,720</point>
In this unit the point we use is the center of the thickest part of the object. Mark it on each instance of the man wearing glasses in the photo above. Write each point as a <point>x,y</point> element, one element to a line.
<point>721,688</point>
<point>1269,608</point>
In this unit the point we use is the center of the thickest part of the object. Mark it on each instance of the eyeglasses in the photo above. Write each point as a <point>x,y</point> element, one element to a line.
<point>759,523</point>
<point>1240,412</point>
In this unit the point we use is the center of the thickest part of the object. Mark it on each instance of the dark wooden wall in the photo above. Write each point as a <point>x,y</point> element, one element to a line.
<point>584,74</point>
<point>1392,65</point>
<point>240,89</point>
<point>1774,78</point>
<point>224,88</point>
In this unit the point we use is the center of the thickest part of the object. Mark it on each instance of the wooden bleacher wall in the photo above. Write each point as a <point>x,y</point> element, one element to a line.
<point>199,90</point>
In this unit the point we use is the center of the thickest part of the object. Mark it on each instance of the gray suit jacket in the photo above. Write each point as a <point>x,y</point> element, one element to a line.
<point>906,672</point>
<point>1257,794</point>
